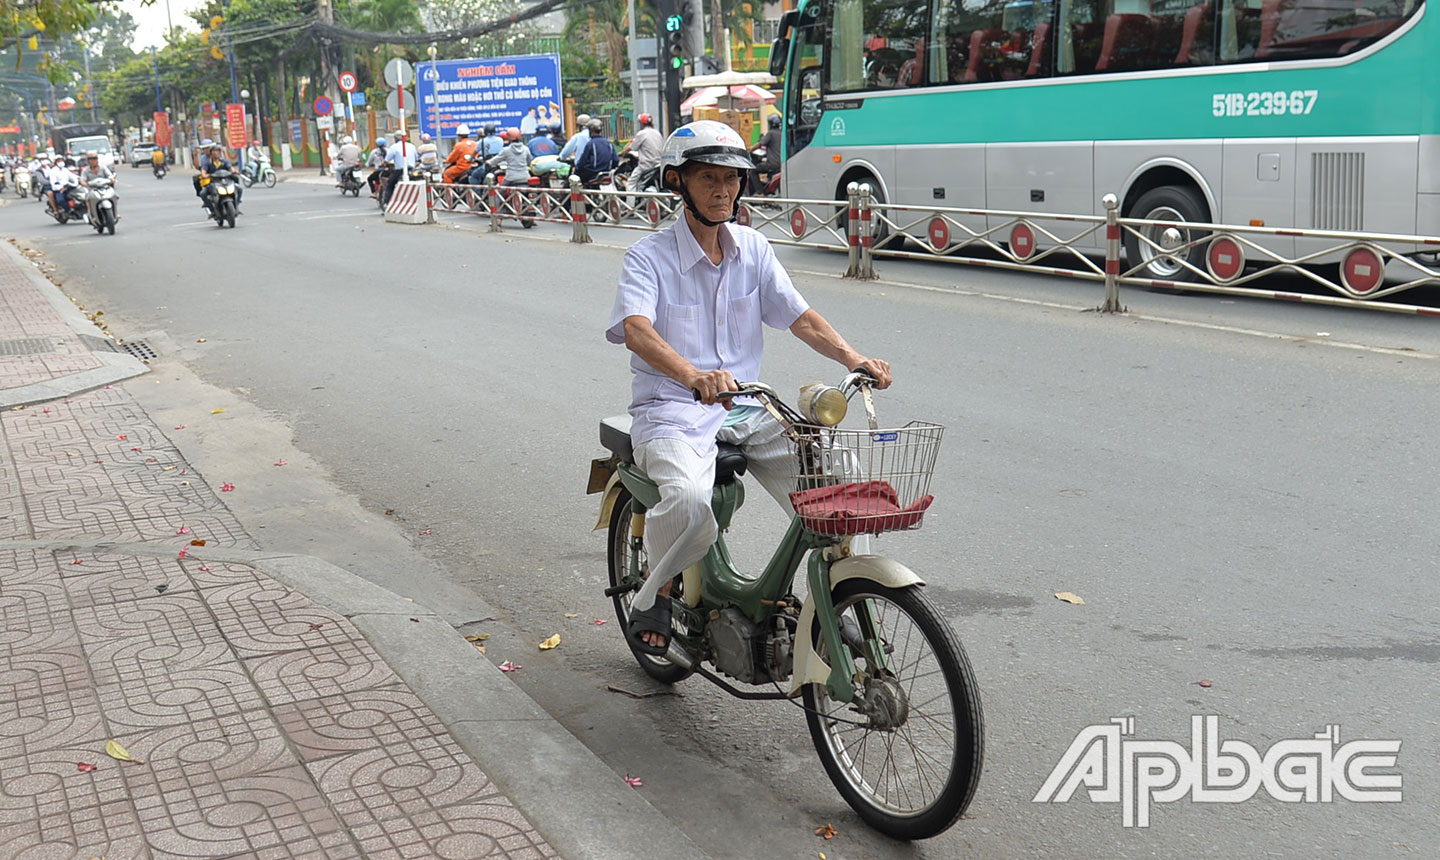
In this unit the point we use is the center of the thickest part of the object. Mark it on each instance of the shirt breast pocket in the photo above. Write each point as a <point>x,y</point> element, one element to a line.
<point>745,332</point>
<point>682,329</point>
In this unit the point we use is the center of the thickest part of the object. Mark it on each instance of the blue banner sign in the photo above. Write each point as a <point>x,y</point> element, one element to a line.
<point>508,91</point>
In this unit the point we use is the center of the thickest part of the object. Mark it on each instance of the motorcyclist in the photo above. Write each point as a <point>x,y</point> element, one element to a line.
<point>347,158</point>
<point>60,178</point>
<point>157,160</point>
<point>457,163</point>
<point>575,145</point>
<point>729,285</point>
<point>377,158</point>
<point>94,170</point>
<point>598,157</point>
<point>428,152</point>
<point>255,155</point>
<point>215,161</point>
<point>490,144</point>
<point>514,159</point>
<point>647,145</point>
<point>769,162</point>
<point>402,156</point>
<point>541,144</point>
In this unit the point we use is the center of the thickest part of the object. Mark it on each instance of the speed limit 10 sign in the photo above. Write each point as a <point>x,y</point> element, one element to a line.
<point>348,82</point>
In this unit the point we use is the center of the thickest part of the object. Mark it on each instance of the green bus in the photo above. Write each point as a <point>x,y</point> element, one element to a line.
<point>1282,113</point>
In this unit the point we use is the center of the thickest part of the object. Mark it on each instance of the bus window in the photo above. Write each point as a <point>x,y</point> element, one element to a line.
<point>802,99</point>
<point>1270,30</point>
<point>992,40</point>
<point>877,45</point>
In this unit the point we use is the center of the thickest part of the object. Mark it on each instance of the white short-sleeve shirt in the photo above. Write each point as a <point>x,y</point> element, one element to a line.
<point>712,315</point>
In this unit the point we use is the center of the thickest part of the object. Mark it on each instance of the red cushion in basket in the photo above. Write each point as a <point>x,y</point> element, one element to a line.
<point>865,507</point>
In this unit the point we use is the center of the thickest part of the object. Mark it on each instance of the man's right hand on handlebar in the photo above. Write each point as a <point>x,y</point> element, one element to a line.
<point>707,384</point>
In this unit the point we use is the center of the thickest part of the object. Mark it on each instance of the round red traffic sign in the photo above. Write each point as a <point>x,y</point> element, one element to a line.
<point>797,223</point>
<point>1225,258</point>
<point>615,208</point>
<point>348,82</point>
<point>323,106</point>
<point>1362,270</point>
<point>743,216</point>
<point>652,211</point>
<point>939,233</point>
<point>1022,241</point>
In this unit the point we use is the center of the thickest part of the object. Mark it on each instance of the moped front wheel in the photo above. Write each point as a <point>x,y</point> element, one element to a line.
<point>622,550</point>
<point>907,754</point>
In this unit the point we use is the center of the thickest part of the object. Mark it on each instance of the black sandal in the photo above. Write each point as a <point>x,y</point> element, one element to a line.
<point>656,619</point>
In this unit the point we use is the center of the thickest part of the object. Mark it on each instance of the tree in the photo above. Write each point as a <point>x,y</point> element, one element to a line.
<point>460,14</point>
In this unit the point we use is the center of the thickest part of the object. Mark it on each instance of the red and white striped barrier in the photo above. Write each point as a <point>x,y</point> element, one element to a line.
<point>409,204</point>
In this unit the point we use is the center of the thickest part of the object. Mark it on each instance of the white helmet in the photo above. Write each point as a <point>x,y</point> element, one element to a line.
<point>462,130</point>
<point>348,140</point>
<point>706,141</point>
<point>581,120</point>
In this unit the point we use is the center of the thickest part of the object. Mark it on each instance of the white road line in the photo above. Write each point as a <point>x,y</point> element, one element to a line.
<point>1250,332</point>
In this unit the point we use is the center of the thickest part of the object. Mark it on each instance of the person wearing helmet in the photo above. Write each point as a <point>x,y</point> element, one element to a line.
<point>377,158</point>
<point>598,157</point>
<point>767,155</point>
<point>491,143</point>
<point>94,170</point>
<point>514,159</point>
<point>575,145</point>
<point>347,158</point>
<point>691,307</point>
<point>462,154</point>
<point>402,156</point>
<point>541,144</point>
<point>215,161</point>
<point>646,144</point>
<point>428,152</point>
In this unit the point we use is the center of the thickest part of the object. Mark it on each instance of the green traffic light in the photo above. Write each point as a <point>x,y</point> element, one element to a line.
<point>676,62</point>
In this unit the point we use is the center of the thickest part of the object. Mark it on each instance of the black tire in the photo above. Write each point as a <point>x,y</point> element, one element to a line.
<point>618,557</point>
<point>941,749</point>
<point>227,212</point>
<point>270,179</point>
<point>1177,203</point>
<point>527,223</point>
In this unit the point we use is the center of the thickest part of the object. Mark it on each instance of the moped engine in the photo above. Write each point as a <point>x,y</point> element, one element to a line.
<point>749,652</point>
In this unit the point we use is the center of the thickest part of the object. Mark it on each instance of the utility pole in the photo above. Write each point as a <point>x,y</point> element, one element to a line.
<point>330,85</point>
<point>155,60</point>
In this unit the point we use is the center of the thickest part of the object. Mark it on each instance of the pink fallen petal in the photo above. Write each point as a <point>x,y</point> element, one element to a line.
<point>598,621</point>
<point>425,531</point>
<point>183,530</point>
<point>77,561</point>
<point>134,449</point>
<point>184,551</point>
<point>46,410</point>
<point>179,426</point>
<point>281,463</point>
<point>507,666</point>
<point>121,437</point>
<point>205,568</point>
<point>84,766</point>
<point>226,487</point>
<point>633,781</point>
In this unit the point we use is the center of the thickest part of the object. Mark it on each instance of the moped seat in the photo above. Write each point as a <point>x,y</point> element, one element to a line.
<point>730,461</point>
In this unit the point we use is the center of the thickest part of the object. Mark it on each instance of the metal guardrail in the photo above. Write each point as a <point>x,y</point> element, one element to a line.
<point>1214,258</point>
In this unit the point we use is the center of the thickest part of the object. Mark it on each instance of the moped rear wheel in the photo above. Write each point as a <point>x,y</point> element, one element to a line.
<point>908,761</point>
<point>621,549</point>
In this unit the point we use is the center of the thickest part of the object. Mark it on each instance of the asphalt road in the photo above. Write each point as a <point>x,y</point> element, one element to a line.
<point>1240,490</point>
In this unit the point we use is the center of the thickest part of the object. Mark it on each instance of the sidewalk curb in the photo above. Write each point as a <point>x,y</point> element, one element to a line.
<point>576,801</point>
<point>117,366</point>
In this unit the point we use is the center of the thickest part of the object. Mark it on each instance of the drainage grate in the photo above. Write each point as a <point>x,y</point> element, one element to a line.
<point>27,346</point>
<point>140,349</point>
<point>99,344</point>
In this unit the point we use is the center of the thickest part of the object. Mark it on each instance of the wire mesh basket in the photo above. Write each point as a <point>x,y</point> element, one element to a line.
<point>852,482</point>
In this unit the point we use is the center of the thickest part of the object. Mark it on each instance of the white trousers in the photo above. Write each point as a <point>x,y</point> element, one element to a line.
<point>680,529</point>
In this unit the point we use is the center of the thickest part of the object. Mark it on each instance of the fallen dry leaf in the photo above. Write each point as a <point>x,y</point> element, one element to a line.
<point>507,666</point>
<point>316,626</point>
<point>1069,597</point>
<point>115,751</point>
<point>84,766</point>
<point>477,637</point>
<point>633,781</point>
<point>216,411</point>
<point>162,588</point>
<point>167,468</point>
<point>552,642</point>
<point>198,542</point>
<point>825,831</point>
<point>572,615</point>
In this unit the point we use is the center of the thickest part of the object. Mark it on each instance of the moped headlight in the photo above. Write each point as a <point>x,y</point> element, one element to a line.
<point>823,404</point>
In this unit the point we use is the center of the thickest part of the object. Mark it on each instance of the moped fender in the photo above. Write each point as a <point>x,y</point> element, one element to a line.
<point>607,501</point>
<point>810,668</point>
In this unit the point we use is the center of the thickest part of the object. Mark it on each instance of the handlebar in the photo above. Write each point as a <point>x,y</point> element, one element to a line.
<point>746,389</point>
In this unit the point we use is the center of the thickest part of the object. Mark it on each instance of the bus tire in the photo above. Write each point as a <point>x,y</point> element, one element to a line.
<point>1177,203</point>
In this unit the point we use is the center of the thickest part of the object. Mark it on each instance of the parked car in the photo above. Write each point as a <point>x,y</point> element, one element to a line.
<point>140,154</point>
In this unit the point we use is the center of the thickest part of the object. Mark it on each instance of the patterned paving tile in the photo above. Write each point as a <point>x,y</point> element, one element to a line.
<point>360,720</point>
<point>265,617</point>
<point>215,574</point>
<point>178,696</point>
<point>324,671</point>
<point>216,528</point>
<point>126,579</point>
<point>471,831</point>
<point>128,642</point>
<point>214,749</point>
<point>50,809</point>
<point>46,701</point>
<point>279,813</point>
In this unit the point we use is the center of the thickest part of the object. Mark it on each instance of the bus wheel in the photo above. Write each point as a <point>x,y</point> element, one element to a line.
<point>1176,204</point>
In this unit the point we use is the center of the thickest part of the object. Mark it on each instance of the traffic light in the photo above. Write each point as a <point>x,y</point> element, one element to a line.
<point>675,41</point>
